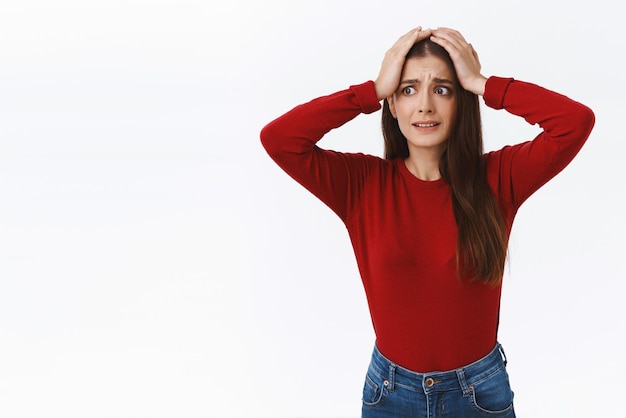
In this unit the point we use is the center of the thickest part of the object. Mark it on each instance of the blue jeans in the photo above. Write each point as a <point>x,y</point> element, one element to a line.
<point>480,389</point>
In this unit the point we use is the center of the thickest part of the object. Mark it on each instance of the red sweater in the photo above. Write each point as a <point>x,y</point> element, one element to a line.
<point>403,229</point>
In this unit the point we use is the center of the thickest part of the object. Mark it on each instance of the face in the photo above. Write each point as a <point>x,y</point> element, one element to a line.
<point>425,104</point>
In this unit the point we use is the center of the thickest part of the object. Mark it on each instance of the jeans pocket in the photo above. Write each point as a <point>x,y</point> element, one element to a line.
<point>373,390</point>
<point>493,396</point>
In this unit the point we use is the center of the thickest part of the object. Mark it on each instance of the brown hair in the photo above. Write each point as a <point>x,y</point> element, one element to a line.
<point>482,232</point>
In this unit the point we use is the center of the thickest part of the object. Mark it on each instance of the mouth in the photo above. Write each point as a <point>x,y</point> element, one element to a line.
<point>426,124</point>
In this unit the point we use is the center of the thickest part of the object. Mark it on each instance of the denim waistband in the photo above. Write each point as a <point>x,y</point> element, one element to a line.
<point>459,379</point>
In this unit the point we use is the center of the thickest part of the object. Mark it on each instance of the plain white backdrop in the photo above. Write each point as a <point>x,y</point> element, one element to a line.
<point>154,262</point>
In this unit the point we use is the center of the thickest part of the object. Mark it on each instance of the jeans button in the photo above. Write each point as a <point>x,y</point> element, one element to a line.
<point>429,382</point>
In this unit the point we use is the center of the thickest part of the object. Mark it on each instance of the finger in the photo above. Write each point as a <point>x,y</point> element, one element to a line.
<point>402,45</point>
<point>456,47</point>
<point>450,34</point>
<point>415,35</point>
<point>474,53</point>
<point>453,37</point>
<point>412,34</point>
<point>449,44</point>
<point>424,34</point>
<point>405,40</point>
<point>445,43</point>
<point>415,29</point>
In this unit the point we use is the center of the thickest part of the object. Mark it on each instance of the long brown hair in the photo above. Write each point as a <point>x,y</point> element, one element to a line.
<point>482,233</point>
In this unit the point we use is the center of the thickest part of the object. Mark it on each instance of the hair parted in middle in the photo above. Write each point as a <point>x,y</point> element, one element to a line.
<point>482,233</point>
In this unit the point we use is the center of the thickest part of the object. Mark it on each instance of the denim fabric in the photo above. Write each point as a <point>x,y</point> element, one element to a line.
<point>480,389</point>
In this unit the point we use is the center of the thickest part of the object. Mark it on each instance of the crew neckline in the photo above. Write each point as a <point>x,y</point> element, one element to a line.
<point>416,180</point>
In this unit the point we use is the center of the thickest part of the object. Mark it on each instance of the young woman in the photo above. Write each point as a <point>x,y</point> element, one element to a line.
<point>430,222</point>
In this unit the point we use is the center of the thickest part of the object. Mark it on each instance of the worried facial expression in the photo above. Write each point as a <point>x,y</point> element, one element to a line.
<point>425,104</point>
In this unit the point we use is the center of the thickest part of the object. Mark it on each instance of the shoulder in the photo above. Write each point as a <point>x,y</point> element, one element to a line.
<point>368,162</point>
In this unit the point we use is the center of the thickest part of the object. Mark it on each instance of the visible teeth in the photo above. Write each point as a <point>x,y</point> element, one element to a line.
<point>425,125</point>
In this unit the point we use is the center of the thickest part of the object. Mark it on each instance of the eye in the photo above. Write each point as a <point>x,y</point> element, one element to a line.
<point>408,90</point>
<point>445,91</point>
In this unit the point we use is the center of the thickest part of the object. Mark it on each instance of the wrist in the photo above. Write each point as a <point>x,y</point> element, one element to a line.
<point>382,92</point>
<point>478,86</point>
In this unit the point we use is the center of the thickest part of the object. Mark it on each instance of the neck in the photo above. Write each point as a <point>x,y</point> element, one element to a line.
<point>424,165</point>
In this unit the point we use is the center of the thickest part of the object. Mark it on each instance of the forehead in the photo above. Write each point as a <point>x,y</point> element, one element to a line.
<point>423,68</point>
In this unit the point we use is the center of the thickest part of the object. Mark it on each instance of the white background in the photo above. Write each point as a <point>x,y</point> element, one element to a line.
<point>154,262</point>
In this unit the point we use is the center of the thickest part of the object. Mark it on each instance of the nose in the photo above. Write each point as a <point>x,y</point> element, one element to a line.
<point>424,102</point>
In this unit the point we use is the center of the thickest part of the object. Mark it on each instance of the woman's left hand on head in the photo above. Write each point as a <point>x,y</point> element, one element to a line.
<point>464,58</point>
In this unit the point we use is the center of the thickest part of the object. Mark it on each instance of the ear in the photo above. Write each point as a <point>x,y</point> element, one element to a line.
<point>392,106</point>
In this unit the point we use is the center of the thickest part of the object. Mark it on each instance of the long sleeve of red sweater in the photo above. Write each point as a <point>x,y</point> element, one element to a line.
<point>566,124</point>
<point>403,229</point>
<point>290,140</point>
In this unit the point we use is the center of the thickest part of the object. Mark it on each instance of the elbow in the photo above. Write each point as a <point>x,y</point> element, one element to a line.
<point>279,140</point>
<point>587,120</point>
<point>269,138</point>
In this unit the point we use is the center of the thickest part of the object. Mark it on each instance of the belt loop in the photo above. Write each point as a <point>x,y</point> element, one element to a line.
<point>460,374</point>
<point>502,354</point>
<point>392,377</point>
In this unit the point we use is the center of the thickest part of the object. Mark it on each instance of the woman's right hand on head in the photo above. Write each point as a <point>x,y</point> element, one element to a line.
<point>391,69</point>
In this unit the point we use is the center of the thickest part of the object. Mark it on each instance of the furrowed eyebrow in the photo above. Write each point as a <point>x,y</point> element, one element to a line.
<point>442,81</point>
<point>436,80</point>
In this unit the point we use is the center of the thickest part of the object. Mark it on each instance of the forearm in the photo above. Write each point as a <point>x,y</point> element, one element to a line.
<point>560,117</point>
<point>298,130</point>
<point>290,141</point>
<point>566,125</point>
